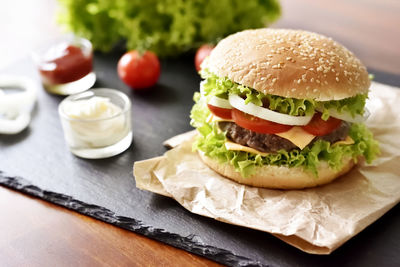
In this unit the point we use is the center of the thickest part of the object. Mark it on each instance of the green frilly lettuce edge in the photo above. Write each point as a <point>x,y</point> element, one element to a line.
<point>212,142</point>
<point>166,27</point>
<point>222,87</point>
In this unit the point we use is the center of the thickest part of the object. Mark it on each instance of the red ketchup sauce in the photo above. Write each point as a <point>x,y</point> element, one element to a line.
<point>64,64</point>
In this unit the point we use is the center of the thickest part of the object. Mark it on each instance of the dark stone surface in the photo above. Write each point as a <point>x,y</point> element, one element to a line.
<point>37,162</point>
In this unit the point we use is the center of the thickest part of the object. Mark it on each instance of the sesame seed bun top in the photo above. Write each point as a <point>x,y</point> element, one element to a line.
<point>290,63</point>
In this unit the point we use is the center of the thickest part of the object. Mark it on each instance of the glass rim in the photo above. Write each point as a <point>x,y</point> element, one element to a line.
<point>91,93</point>
<point>37,53</point>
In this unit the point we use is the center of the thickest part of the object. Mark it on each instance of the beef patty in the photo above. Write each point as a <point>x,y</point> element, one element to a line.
<point>272,142</point>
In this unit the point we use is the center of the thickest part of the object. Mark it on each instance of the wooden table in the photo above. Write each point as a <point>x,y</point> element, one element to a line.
<point>36,233</point>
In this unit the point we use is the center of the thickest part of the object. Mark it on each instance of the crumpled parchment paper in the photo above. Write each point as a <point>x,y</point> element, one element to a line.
<point>316,220</point>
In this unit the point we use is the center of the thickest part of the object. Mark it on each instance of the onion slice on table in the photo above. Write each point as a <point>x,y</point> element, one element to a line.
<point>15,108</point>
<point>220,102</point>
<point>267,114</point>
<point>16,125</point>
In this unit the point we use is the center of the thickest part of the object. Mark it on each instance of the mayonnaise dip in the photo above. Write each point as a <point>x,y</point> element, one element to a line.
<point>94,122</point>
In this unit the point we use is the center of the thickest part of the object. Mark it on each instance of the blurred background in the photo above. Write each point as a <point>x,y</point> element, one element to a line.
<point>369,28</point>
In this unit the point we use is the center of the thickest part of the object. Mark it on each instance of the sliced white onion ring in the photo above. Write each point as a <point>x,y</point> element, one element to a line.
<point>345,116</point>
<point>16,125</point>
<point>15,108</point>
<point>267,114</point>
<point>220,102</point>
<point>16,103</point>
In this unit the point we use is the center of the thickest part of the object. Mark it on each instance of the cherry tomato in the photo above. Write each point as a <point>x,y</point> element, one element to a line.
<point>317,126</point>
<point>224,113</point>
<point>201,54</point>
<point>256,124</point>
<point>139,70</point>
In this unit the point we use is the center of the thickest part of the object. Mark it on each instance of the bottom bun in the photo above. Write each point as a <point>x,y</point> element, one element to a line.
<point>279,177</point>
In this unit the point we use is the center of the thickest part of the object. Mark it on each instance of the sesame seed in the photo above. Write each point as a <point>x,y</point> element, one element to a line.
<point>337,79</point>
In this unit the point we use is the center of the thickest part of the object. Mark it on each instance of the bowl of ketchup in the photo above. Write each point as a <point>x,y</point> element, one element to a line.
<point>66,65</point>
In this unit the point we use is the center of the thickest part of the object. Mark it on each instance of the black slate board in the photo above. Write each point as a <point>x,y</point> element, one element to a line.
<point>37,162</point>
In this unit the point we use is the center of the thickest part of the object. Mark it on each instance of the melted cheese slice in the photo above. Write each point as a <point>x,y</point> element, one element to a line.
<point>213,118</point>
<point>236,147</point>
<point>347,141</point>
<point>297,136</point>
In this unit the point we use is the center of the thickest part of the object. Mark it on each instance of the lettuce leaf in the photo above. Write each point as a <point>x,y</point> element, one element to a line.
<point>222,87</point>
<point>212,142</point>
<point>167,27</point>
<point>353,105</point>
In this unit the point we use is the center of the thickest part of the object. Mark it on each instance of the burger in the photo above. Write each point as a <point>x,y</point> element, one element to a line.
<point>283,109</point>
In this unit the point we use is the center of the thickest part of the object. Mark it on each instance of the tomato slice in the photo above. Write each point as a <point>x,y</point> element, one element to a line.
<point>256,124</point>
<point>224,113</point>
<point>317,126</point>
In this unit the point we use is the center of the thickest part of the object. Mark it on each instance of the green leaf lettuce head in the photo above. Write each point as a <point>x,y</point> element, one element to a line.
<point>222,87</point>
<point>167,27</point>
<point>212,142</point>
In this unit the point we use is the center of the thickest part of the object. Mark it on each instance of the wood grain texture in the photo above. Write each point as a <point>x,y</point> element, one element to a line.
<point>37,233</point>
